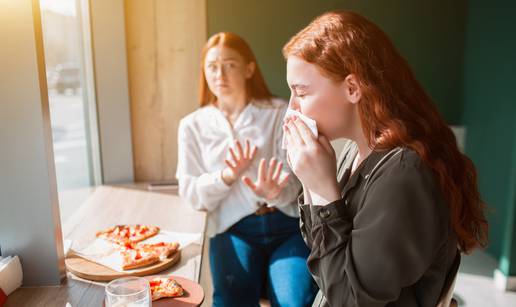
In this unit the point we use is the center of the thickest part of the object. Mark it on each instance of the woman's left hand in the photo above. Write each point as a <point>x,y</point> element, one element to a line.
<point>269,182</point>
<point>312,160</point>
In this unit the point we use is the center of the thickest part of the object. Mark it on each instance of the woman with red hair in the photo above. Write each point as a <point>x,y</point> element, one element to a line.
<point>253,222</point>
<point>387,229</point>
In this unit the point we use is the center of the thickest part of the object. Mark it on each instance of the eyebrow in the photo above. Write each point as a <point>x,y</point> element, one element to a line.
<point>225,59</point>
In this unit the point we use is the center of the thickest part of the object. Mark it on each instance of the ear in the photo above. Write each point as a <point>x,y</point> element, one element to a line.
<point>249,70</point>
<point>352,89</point>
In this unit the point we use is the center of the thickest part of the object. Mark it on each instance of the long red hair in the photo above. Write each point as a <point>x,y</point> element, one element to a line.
<point>395,110</point>
<point>256,88</point>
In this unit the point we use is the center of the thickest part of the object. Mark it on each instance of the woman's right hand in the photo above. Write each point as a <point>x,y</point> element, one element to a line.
<point>241,159</point>
<point>269,182</point>
<point>313,161</point>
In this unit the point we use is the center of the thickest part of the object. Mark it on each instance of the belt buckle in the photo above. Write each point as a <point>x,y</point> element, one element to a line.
<point>263,209</point>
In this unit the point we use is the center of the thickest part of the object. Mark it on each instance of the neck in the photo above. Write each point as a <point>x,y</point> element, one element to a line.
<point>361,140</point>
<point>363,148</point>
<point>231,105</point>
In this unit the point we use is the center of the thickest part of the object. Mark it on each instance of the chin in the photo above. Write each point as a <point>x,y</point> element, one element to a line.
<point>221,91</point>
<point>224,89</point>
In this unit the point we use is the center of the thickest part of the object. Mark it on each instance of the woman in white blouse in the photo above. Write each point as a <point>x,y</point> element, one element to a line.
<point>232,166</point>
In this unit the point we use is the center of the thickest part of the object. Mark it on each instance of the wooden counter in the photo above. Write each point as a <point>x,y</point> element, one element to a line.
<point>123,204</point>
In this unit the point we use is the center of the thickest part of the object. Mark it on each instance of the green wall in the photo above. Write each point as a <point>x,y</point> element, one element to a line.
<point>430,34</point>
<point>464,54</point>
<point>490,118</point>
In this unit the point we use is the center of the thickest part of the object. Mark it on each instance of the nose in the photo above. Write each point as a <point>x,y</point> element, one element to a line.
<point>293,103</point>
<point>219,72</point>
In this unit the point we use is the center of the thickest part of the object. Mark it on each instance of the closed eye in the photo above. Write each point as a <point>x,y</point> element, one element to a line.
<point>299,90</point>
<point>300,94</point>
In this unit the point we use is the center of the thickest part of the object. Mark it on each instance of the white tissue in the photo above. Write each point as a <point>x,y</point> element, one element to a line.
<point>310,123</point>
<point>11,274</point>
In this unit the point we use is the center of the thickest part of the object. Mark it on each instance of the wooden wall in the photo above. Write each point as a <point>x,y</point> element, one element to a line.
<point>164,41</point>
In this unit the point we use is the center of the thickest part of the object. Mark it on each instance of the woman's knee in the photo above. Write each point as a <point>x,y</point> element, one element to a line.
<point>236,290</point>
<point>235,281</point>
<point>294,296</point>
<point>290,283</point>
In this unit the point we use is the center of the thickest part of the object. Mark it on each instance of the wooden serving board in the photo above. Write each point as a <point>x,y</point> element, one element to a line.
<point>93,271</point>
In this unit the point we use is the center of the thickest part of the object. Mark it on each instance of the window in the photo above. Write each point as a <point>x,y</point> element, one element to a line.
<point>71,97</point>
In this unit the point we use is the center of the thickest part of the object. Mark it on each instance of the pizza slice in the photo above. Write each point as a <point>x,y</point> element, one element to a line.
<point>118,234</point>
<point>162,249</point>
<point>108,233</point>
<point>165,287</point>
<point>124,234</point>
<point>138,233</point>
<point>135,258</point>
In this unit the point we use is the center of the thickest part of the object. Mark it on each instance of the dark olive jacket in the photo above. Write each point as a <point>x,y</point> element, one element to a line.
<point>388,241</point>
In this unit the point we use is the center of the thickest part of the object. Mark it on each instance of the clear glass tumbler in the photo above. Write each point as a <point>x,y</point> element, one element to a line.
<point>128,292</point>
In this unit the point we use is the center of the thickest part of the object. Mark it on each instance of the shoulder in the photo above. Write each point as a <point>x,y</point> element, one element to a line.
<point>273,104</point>
<point>194,120</point>
<point>279,103</point>
<point>404,178</point>
<point>194,123</point>
<point>405,192</point>
<point>269,112</point>
<point>403,164</point>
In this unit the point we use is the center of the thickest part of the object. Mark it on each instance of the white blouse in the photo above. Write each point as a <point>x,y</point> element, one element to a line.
<point>204,139</point>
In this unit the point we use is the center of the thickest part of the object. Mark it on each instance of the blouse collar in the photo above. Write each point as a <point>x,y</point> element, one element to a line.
<point>245,118</point>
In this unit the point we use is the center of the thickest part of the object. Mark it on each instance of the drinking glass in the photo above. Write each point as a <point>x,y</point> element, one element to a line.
<point>128,292</point>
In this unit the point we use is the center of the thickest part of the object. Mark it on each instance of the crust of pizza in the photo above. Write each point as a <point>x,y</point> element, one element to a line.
<point>142,232</point>
<point>123,234</point>
<point>162,249</point>
<point>106,232</point>
<point>133,259</point>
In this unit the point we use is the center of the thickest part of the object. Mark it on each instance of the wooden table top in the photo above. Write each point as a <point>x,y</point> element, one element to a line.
<point>111,205</point>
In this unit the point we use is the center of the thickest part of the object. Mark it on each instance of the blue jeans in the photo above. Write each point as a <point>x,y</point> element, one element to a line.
<point>261,255</point>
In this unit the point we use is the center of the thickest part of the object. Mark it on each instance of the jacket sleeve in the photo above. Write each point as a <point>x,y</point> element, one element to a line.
<point>367,260</point>
<point>305,222</point>
<point>202,190</point>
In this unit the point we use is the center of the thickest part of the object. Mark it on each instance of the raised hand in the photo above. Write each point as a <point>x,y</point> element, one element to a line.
<point>312,159</point>
<point>269,182</point>
<point>241,159</point>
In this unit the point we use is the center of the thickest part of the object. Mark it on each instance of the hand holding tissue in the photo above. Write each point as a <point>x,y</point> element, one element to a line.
<point>310,123</point>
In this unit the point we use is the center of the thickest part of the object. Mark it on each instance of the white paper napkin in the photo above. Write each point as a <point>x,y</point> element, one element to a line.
<point>103,252</point>
<point>307,120</point>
